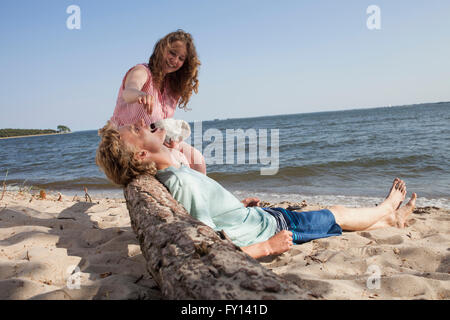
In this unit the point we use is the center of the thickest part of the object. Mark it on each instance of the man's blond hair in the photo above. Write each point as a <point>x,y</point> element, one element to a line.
<point>117,158</point>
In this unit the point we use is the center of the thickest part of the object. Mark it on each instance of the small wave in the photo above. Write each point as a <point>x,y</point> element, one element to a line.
<point>297,146</point>
<point>329,168</point>
<point>79,183</point>
<point>330,200</point>
<point>256,174</point>
<point>376,162</point>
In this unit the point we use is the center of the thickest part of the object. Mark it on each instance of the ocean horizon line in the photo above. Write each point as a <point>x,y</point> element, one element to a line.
<point>327,111</point>
<point>303,113</point>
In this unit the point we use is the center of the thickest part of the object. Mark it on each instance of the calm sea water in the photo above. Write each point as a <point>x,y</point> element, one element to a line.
<point>342,157</point>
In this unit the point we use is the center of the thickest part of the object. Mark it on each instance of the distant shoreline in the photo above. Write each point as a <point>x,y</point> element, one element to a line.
<point>322,111</point>
<point>36,135</point>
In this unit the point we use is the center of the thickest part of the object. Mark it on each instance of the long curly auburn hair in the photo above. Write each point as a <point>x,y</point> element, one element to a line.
<point>184,81</point>
<point>117,158</point>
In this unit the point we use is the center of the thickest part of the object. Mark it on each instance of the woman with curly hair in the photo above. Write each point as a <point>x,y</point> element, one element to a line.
<point>152,91</point>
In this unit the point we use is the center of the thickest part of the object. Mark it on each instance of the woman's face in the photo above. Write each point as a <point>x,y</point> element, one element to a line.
<point>174,56</point>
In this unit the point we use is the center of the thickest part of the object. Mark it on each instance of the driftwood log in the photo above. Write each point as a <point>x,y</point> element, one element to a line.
<point>188,259</point>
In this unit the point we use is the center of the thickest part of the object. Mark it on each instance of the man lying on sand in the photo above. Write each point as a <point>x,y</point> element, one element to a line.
<point>136,149</point>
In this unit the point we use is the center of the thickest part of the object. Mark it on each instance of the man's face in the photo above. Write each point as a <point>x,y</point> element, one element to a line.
<point>141,136</point>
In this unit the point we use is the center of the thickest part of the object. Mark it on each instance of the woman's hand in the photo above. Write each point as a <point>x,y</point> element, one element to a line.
<point>133,85</point>
<point>147,101</point>
<point>172,144</point>
<point>251,202</point>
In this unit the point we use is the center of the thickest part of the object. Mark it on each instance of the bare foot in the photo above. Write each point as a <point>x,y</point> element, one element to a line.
<point>396,195</point>
<point>401,215</point>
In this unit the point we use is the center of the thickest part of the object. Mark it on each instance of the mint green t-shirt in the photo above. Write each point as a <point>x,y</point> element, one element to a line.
<point>207,201</point>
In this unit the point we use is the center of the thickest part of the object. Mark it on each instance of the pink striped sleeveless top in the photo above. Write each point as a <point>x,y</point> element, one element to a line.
<point>128,113</point>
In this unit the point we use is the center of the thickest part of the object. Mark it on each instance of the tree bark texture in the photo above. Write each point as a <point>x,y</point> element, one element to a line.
<point>188,259</point>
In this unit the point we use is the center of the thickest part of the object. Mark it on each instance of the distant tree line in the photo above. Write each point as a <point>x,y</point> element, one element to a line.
<point>28,132</point>
<point>63,129</point>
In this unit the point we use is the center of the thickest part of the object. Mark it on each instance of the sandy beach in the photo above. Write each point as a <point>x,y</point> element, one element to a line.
<point>77,249</point>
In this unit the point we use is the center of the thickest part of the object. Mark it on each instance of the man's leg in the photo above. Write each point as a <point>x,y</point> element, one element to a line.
<point>357,219</point>
<point>398,218</point>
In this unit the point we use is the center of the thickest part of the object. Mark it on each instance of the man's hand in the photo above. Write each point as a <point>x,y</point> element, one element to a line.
<point>279,243</point>
<point>251,202</point>
<point>147,101</point>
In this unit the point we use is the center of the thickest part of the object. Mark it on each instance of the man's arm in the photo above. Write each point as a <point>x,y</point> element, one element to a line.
<point>279,243</point>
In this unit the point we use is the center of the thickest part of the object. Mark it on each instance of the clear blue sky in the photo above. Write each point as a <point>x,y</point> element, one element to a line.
<point>258,57</point>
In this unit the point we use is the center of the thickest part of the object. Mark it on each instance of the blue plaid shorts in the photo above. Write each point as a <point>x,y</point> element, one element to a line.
<point>307,225</point>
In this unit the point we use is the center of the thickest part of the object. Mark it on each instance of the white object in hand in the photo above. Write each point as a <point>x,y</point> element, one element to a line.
<point>176,130</point>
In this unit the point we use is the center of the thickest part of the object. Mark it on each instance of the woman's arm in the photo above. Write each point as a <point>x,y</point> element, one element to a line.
<point>195,158</point>
<point>279,243</point>
<point>132,93</point>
